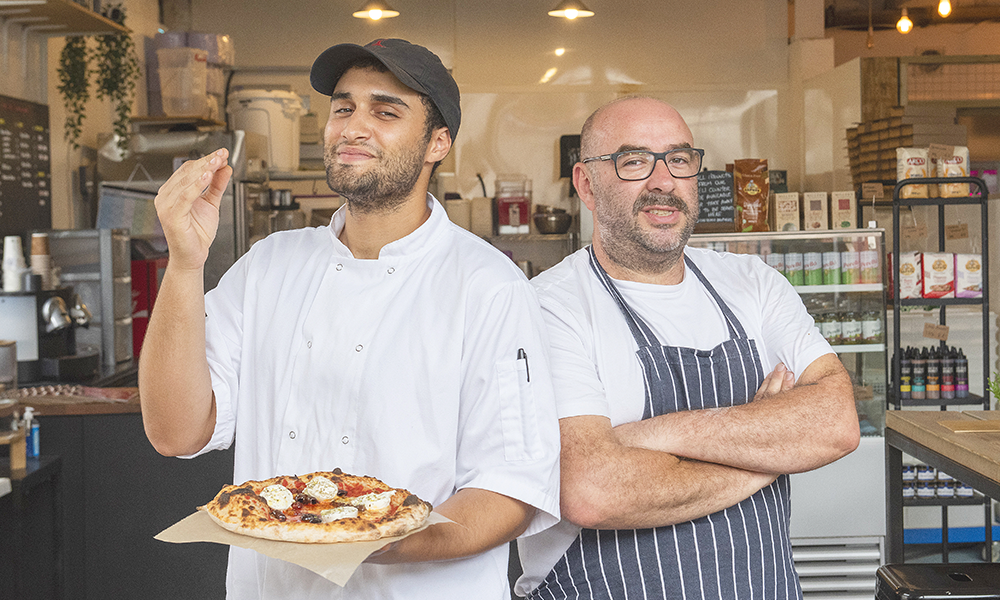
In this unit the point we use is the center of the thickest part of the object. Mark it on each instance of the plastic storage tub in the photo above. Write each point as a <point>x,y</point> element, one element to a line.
<point>272,117</point>
<point>183,80</point>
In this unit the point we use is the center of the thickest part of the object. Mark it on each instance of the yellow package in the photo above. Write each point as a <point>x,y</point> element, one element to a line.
<point>912,163</point>
<point>956,166</point>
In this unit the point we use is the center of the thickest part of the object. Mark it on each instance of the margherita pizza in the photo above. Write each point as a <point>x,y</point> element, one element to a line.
<point>318,508</point>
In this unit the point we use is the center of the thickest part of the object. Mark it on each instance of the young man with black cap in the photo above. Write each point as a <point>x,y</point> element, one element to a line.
<point>389,343</point>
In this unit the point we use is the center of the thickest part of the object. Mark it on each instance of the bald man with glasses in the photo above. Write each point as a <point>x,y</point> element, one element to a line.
<point>675,370</point>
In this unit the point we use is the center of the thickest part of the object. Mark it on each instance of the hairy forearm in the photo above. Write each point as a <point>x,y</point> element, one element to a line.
<point>608,485</point>
<point>482,520</point>
<point>684,491</point>
<point>789,432</point>
<point>175,387</point>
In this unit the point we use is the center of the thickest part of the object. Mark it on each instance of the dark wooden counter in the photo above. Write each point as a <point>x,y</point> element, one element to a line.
<point>117,493</point>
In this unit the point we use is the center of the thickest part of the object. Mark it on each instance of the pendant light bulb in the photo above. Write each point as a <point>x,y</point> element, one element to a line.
<point>376,10</point>
<point>944,8</point>
<point>871,37</point>
<point>571,9</point>
<point>904,25</point>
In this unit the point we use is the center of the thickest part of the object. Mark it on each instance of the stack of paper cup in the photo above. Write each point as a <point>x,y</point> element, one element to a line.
<point>41,261</point>
<point>13,263</point>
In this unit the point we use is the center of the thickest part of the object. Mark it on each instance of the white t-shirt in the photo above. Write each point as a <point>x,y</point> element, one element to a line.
<point>594,363</point>
<point>404,368</point>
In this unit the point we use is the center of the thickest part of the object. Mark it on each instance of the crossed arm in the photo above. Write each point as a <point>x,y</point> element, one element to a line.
<point>680,466</point>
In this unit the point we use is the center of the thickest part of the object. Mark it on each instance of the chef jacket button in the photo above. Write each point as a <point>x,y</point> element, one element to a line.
<point>391,270</point>
<point>345,439</point>
<point>309,344</point>
<point>359,348</point>
<point>291,435</point>
<point>340,267</point>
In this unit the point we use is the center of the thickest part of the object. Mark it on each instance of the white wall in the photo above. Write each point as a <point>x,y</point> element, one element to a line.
<point>725,67</point>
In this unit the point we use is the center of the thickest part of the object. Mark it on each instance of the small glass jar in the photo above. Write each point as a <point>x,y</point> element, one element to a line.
<point>850,324</point>
<point>871,327</point>
<point>829,327</point>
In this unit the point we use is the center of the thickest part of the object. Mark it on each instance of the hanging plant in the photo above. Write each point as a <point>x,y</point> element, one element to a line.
<point>117,70</point>
<point>74,85</point>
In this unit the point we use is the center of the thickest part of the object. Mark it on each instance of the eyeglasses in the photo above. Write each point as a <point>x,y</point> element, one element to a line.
<point>636,165</point>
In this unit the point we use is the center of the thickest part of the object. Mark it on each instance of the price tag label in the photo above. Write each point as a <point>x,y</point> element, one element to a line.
<point>956,232</point>
<point>940,151</point>
<point>916,233</point>
<point>872,190</point>
<point>936,332</point>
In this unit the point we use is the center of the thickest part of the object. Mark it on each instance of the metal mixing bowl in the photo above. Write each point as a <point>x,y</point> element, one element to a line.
<point>553,222</point>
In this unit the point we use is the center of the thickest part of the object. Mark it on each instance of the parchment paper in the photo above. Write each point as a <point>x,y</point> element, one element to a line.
<point>336,562</point>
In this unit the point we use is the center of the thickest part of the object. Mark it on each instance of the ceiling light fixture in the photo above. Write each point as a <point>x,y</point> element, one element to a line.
<point>904,25</point>
<point>571,9</point>
<point>376,10</point>
<point>944,8</point>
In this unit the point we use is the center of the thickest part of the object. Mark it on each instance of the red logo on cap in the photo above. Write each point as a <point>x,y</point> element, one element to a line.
<point>377,43</point>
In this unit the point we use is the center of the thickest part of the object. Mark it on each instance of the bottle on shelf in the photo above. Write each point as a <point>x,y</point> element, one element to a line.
<point>918,389</point>
<point>933,382</point>
<point>948,374</point>
<point>905,374</point>
<point>961,375</point>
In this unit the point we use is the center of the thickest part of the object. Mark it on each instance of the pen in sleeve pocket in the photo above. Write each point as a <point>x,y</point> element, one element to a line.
<point>522,354</point>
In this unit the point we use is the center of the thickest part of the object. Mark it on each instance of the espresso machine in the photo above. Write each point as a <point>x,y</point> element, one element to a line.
<point>44,323</point>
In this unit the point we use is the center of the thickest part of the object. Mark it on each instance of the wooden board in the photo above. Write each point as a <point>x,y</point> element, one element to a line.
<point>971,426</point>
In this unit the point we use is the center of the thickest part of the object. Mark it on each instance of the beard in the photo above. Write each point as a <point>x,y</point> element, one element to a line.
<point>642,250</point>
<point>383,187</point>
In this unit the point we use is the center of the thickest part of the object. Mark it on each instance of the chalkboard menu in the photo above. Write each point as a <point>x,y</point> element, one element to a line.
<point>25,181</point>
<point>715,202</point>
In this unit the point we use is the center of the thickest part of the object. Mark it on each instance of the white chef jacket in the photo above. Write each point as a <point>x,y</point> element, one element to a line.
<point>595,368</point>
<point>404,368</point>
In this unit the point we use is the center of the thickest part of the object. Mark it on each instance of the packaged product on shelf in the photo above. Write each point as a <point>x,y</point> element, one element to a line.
<point>948,374</point>
<point>926,489</point>
<point>964,490</point>
<point>918,383</point>
<point>912,163</point>
<point>905,377</point>
<point>850,328</point>
<point>786,211</point>
<point>910,274</point>
<point>850,267</point>
<point>870,271</point>
<point>793,268</point>
<point>843,210</point>
<point>961,373</point>
<point>750,179</point>
<point>968,276</point>
<point>933,382</point>
<point>812,268</point>
<point>939,275</point>
<point>831,268</point>
<point>871,327</point>
<point>945,489</point>
<point>777,261</point>
<point>814,210</point>
<point>956,166</point>
<point>829,327</point>
<point>909,489</point>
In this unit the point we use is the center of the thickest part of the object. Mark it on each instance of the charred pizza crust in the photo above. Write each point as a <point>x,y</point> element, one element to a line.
<point>241,509</point>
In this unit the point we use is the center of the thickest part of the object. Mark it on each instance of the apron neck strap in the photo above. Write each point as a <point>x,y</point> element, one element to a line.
<point>642,333</point>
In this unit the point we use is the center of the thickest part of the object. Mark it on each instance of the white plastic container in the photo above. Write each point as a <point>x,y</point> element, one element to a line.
<point>274,115</point>
<point>183,81</point>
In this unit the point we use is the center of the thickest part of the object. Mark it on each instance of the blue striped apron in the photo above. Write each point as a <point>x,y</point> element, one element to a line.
<point>741,552</point>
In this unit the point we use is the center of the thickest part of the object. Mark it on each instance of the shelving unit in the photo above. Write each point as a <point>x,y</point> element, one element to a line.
<point>838,511</point>
<point>46,18</point>
<point>941,304</point>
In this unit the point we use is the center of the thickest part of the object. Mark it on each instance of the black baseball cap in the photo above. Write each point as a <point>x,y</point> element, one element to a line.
<point>415,66</point>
